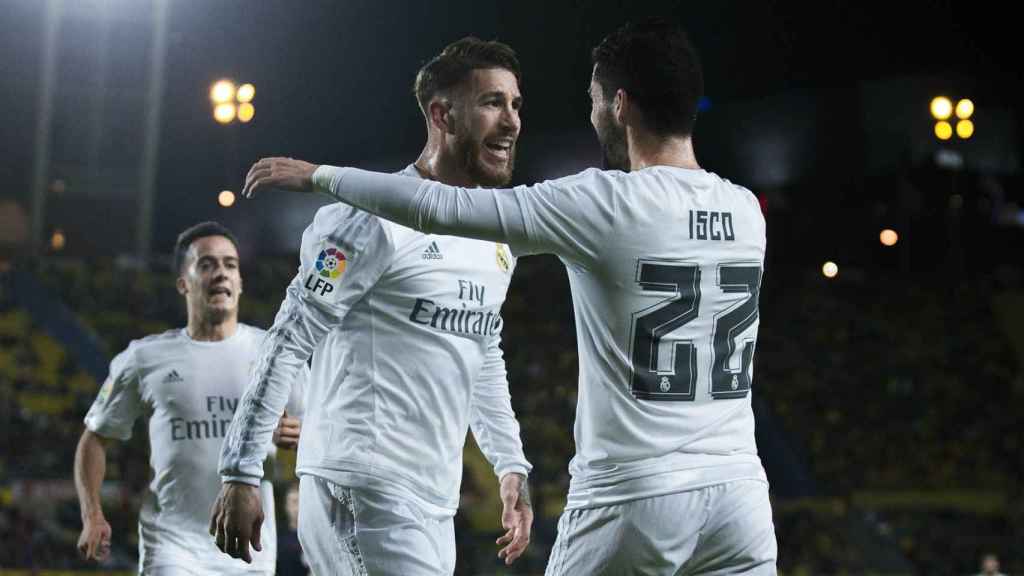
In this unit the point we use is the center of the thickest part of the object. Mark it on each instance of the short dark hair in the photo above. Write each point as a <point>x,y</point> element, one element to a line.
<point>656,65</point>
<point>455,63</point>
<point>193,233</point>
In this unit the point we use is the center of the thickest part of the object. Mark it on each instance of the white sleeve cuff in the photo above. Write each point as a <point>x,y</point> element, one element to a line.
<point>250,480</point>
<point>513,469</point>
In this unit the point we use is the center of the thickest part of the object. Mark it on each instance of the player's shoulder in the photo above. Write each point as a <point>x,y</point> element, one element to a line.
<point>153,344</point>
<point>159,339</point>
<point>251,332</point>
<point>347,227</point>
<point>737,192</point>
<point>338,218</point>
<point>588,179</point>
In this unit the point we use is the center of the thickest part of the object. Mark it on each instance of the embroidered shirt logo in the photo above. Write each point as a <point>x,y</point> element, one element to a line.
<point>432,252</point>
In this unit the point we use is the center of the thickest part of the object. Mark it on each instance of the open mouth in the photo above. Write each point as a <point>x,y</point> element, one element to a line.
<point>500,148</point>
<point>219,291</point>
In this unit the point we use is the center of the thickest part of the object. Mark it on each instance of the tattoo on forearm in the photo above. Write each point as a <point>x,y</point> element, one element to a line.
<point>524,493</point>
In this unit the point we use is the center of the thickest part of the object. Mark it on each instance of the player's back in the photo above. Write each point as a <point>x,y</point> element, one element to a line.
<point>665,268</point>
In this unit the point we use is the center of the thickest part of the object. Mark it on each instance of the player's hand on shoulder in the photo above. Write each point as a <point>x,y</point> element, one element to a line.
<point>94,541</point>
<point>280,174</point>
<point>286,435</point>
<point>236,519</point>
<point>516,517</point>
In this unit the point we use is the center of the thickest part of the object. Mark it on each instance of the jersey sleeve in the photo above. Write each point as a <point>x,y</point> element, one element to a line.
<point>491,418</point>
<point>343,254</point>
<point>119,402</point>
<point>567,217</point>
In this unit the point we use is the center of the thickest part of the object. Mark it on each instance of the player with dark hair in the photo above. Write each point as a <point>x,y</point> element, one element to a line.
<point>404,330</point>
<point>664,262</point>
<point>187,383</point>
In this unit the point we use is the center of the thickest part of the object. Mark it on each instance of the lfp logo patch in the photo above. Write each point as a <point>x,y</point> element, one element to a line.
<point>330,263</point>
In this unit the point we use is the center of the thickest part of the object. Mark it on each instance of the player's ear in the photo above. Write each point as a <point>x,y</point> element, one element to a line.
<point>621,106</point>
<point>181,285</point>
<point>440,111</point>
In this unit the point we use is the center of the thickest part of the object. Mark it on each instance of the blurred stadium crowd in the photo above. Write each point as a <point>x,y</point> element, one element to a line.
<point>907,434</point>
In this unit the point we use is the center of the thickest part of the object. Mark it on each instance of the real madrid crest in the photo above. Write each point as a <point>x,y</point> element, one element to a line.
<point>504,260</point>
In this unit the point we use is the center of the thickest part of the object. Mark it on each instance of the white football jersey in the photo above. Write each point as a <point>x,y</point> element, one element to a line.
<point>188,390</point>
<point>665,269</point>
<point>406,329</point>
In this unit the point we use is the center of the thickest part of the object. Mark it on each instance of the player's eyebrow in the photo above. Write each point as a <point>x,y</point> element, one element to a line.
<point>498,94</point>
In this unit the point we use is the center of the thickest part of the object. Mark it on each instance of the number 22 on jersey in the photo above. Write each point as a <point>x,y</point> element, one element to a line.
<point>660,329</point>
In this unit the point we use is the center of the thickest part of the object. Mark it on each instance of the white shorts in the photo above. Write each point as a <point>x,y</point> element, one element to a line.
<point>355,531</point>
<point>721,529</point>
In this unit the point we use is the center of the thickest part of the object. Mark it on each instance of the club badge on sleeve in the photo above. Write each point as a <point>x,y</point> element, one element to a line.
<point>504,261</point>
<point>330,265</point>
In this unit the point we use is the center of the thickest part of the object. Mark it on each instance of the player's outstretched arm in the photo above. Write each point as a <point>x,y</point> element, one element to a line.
<point>483,214</point>
<point>236,520</point>
<point>90,468</point>
<point>279,174</point>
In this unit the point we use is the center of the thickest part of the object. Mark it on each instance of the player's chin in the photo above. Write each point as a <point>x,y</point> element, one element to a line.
<point>221,309</point>
<point>495,173</point>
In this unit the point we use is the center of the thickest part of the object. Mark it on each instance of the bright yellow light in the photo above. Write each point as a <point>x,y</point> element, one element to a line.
<point>224,113</point>
<point>830,269</point>
<point>246,111</point>
<point>964,109</point>
<point>222,91</point>
<point>941,107</point>
<point>965,129</point>
<point>226,198</point>
<point>245,93</point>
<point>58,240</point>
<point>889,237</point>
<point>943,131</point>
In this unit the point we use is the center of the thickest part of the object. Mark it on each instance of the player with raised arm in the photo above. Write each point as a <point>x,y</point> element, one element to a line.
<point>404,329</point>
<point>188,383</point>
<point>664,262</point>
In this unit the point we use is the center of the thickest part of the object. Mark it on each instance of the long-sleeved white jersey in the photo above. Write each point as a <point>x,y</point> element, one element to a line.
<point>188,390</point>
<point>405,332</point>
<point>665,269</point>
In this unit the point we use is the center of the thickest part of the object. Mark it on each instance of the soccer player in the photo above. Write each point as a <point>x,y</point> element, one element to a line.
<point>405,332</point>
<point>188,383</point>
<point>664,262</point>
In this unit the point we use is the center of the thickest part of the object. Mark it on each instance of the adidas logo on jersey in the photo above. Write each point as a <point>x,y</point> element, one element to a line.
<point>173,377</point>
<point>432,252</point>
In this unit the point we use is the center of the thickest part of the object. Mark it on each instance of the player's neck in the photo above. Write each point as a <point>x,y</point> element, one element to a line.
<point>212,330</point>
<point>646,150</point>
<point>434,164</point>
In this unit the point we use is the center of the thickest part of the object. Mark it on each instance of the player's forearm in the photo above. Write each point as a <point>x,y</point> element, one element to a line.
<point>287,346</point>
<point>496,430</point>
<point>90,469</point>
<point>425,205</point>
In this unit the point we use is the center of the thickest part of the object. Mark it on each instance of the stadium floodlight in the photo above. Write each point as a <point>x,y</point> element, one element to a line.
<point>965,129</point>
<point>941,107</point>
<point>943,131</point>
<point>830,269</point>
<point>58,240</point>
<point>226,198</point>
<point>964,109</point>
<point>222,91</point>
<point>246,111</point>
<point>224,113</point>
<point>245,93</point>
<point>889,237</point>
